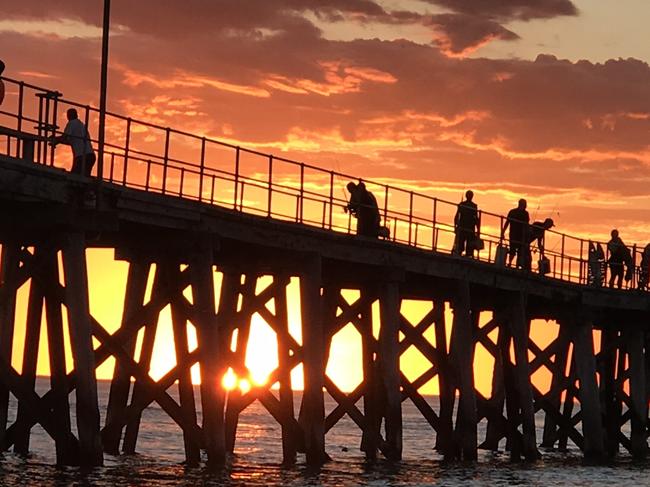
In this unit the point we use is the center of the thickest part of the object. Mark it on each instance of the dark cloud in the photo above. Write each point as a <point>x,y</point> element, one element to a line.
<point>463,32</point>
<point>506,10</point>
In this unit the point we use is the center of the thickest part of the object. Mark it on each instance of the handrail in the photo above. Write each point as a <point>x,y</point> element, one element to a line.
<point>275,183</point>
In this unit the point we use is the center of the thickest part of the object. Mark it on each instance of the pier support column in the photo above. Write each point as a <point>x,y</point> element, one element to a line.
<point>607,371</point>
<point>519,328</point>
<point>76,296</point>
<point>592,427</point>
<point>558,384</point>
<point>371,400</point>
<point>444,439</point>
<point>389,369</point>
<point>313,411</point>
<point>207,333</point>
<point>496,428</point>
<point>462,350</point>
<point>136,285</point>
<point>634,338</point>
<point>9,265</point>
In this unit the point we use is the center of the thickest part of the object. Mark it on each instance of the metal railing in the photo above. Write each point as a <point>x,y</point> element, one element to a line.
<point>154,158</point>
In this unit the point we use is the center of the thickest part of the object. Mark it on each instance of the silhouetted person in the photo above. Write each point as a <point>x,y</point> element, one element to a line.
<point>618,255</point>
<point>466,224</point>
<point>596,264</point>
<point>644,268</point>
<point>2,86</point>
<point>517,220</point>
<point>77,137</point>
<point>537,232</point>
<point>363,206</point>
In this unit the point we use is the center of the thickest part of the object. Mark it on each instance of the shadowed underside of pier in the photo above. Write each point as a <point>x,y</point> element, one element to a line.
<point>598,393</point>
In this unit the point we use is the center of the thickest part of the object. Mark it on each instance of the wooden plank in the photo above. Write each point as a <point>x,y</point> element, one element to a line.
<point>136,285</point>
<point>389,367</point>
<point>76,288</point>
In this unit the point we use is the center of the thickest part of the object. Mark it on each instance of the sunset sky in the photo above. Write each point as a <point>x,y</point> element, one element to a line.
<point>546,99</point>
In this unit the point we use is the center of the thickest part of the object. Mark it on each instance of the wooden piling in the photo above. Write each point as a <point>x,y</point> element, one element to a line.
<point>9,263</point>
<point>313,361</point>
<point>207,332</point>
<point>76,294</point>
<point>389,367</point>
<point>444,438</point>
<point>134,294</point>
<point>592,427</point>
<point>371,401</point>
<point>495,428</point>
<point>607,372</point>
<point>67,452</point>
<point>30,356</point>
<point>634,337</point>
<point>462,350</point>
<point>519,328</point>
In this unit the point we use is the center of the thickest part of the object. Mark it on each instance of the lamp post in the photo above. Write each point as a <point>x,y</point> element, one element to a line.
<point>102,93</point>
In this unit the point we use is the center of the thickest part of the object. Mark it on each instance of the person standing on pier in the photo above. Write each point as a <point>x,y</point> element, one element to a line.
<point>466,225</point>
<point>76,135</point>
<point>363,206</point>
<point>517,220</point>
<point>618,255</point>
<point>537,232</point>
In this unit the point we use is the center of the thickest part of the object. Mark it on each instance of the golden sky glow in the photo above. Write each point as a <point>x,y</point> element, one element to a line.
<point>547,99</point>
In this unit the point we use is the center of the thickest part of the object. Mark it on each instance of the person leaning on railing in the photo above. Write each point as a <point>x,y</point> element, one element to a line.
<point>77,137</point>
<point>2,86</point>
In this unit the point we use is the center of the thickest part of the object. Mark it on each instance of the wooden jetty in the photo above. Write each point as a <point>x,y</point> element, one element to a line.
<point>597,386</point>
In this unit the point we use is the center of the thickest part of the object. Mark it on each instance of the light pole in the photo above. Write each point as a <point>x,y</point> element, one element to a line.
<point>102,93</point>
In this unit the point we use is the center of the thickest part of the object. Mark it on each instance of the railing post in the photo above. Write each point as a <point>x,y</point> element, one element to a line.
<point>112,166</point>
<point>633,265</point>
<point>202,169</point>
<point>19,126</point>
<point>331,198</point>
<point>410,214</point>
<point>46,127</point>
<point>434,233</point>
<point>580,271</point>
<point>127,145</point>
<point>237,150</point>
<point>39,152</point>
<point>269,200</point>
<point>302,191</point>
<point>386,205</point>
<point>165,160</point>
<point>562,259</point>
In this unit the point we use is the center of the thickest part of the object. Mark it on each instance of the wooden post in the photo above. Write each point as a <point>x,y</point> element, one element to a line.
<point>495,430</point>
<point>462,348</point>
<point>9,263</point>
<point>67,453</point>
<point>592,427</point>
<point>558,384</point>
<point>207,332</point>
<point>444,438</point>
<point>371,433</point>
<point>144,363</point>
<point>30,356</point>
<point>185,388</point>
<point>243,331</point>
<point>607,372</point>
<point>134,294</point>
<point>389,367</point>
<point>634,337</point>
<point>76,294</point>
<point>313,360</point>
<point>289,442</point>
<point>519,326</point>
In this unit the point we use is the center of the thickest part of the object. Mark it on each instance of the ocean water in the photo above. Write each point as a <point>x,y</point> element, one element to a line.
<point>258,457</point>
